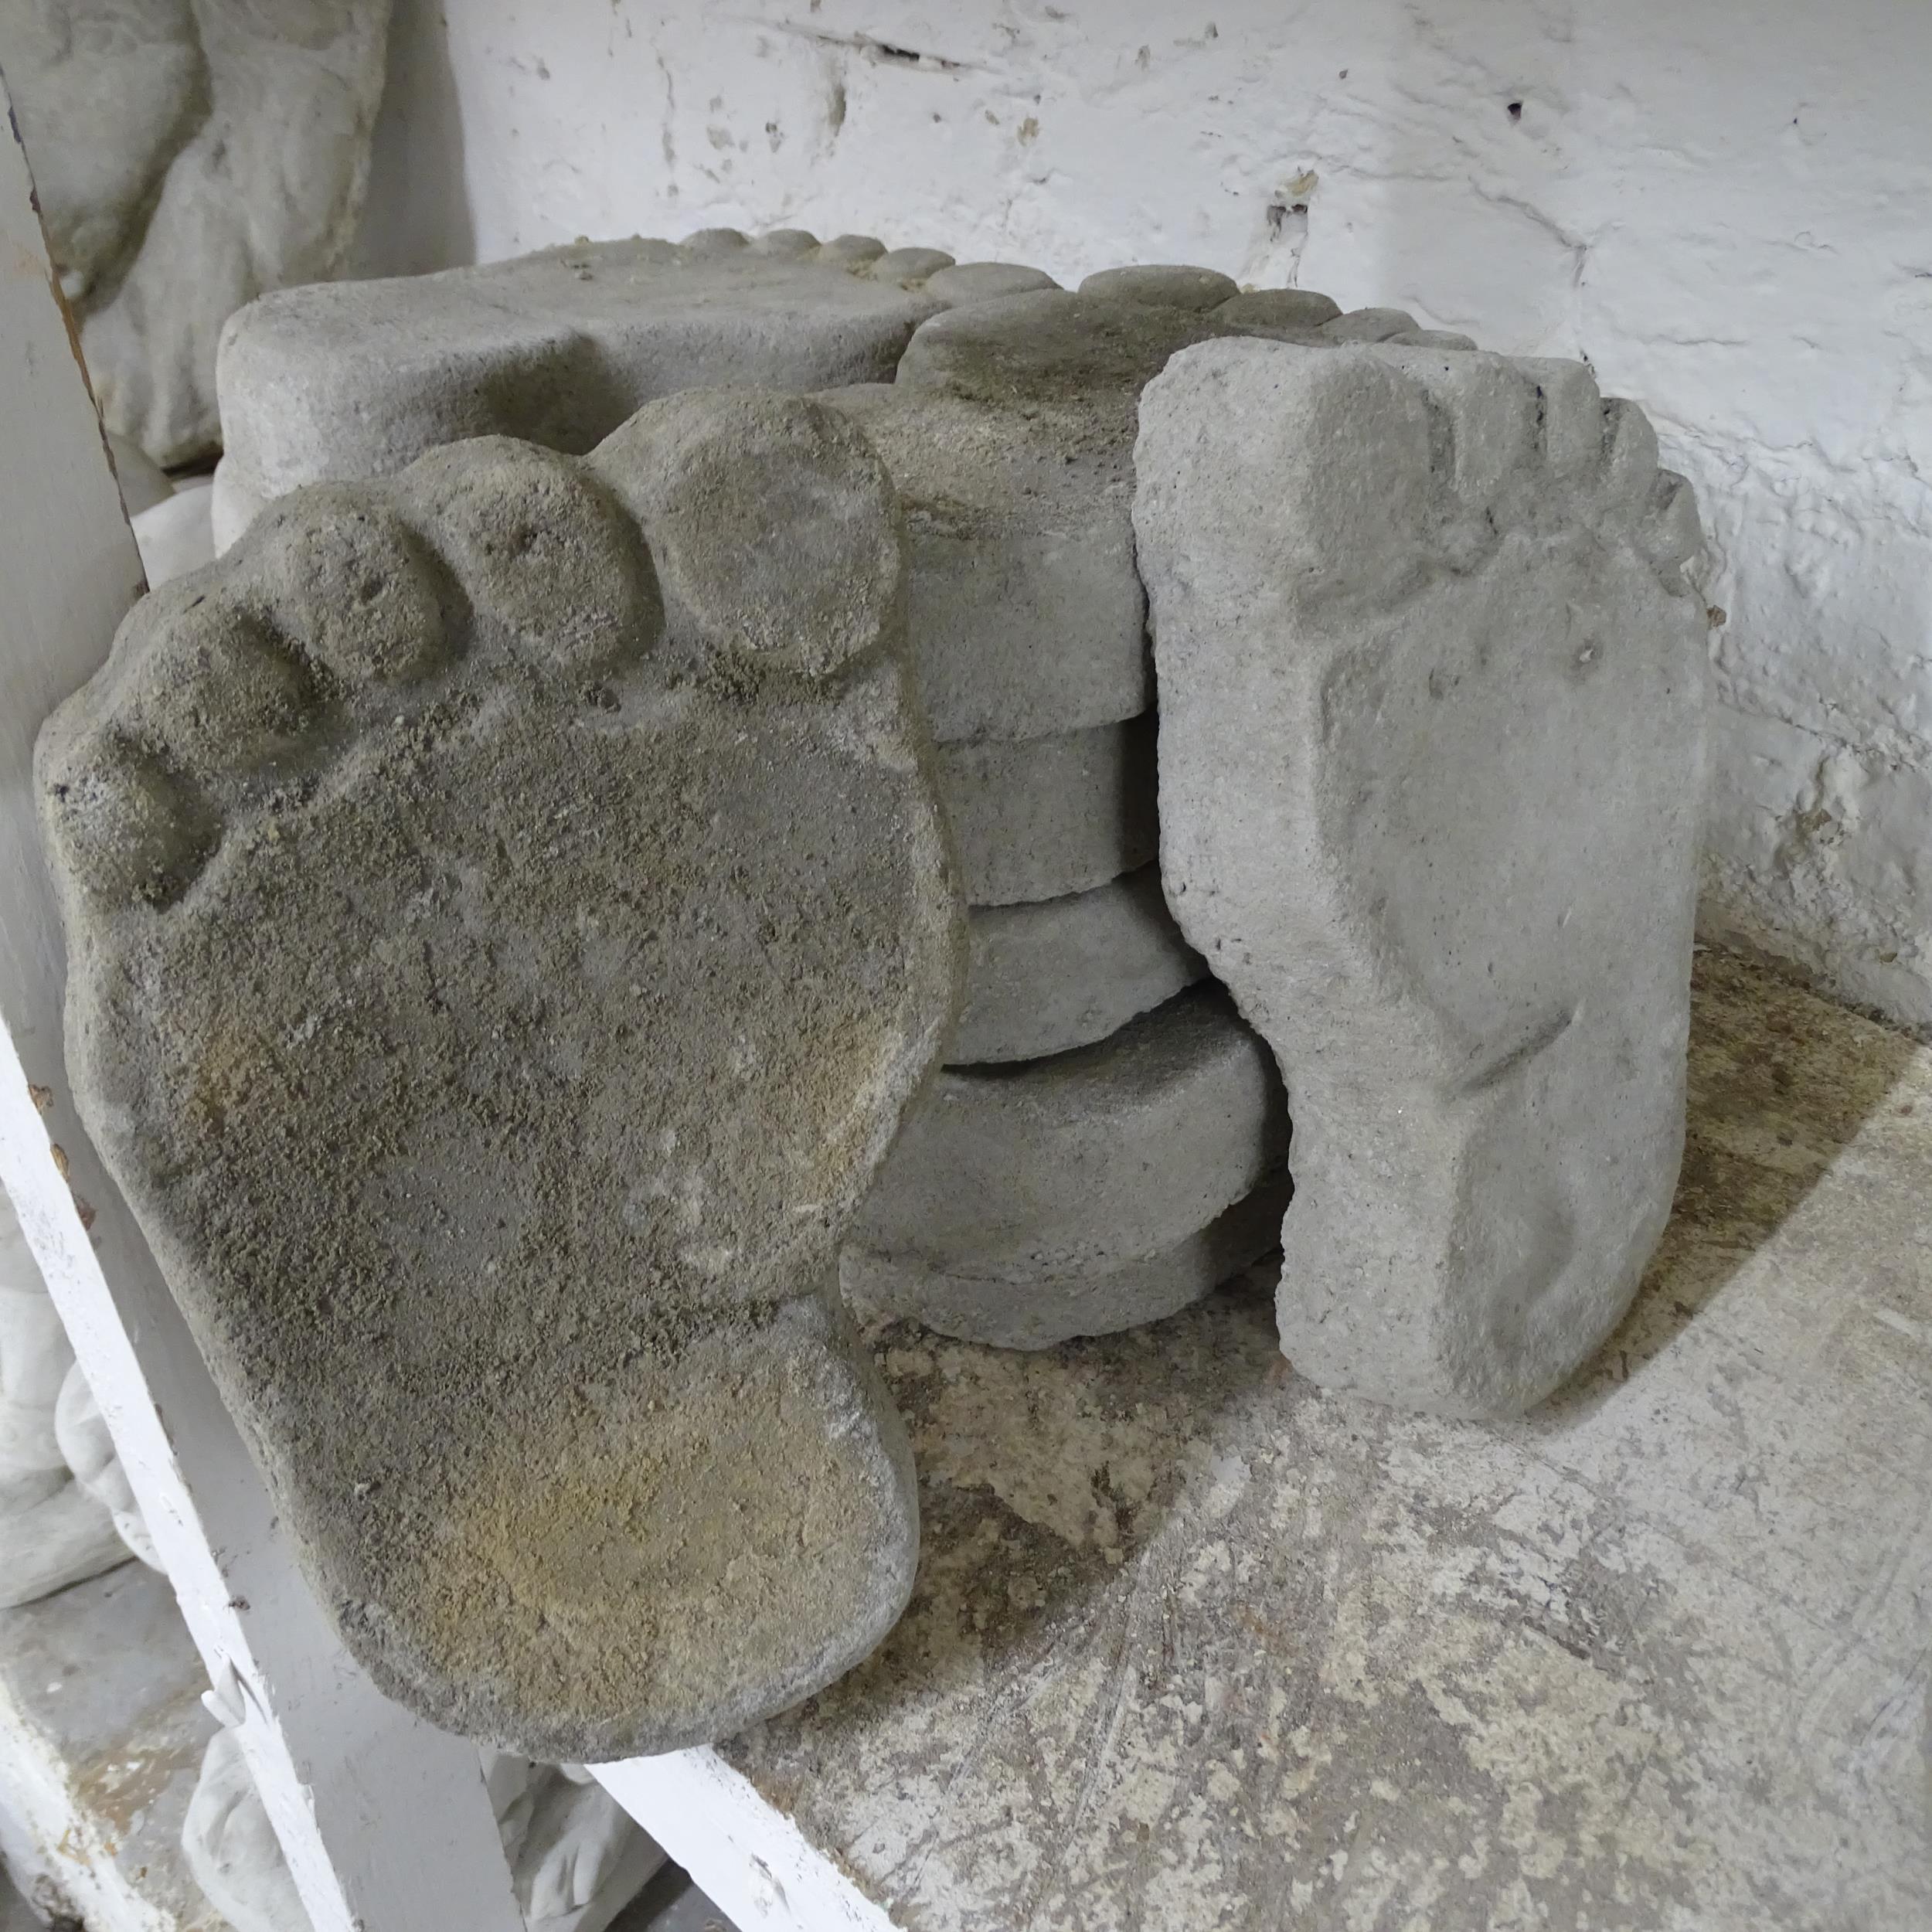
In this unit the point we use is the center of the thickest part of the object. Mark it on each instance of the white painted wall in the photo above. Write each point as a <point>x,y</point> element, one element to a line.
<point>1726,204</point>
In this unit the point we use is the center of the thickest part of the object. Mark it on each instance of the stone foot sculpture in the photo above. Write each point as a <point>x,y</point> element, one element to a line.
<point>1432,691</point>
<point>509,910</point>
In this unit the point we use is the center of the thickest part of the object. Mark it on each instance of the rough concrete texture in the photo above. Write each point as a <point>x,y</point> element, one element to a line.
<point>1432,724</point>
<point>1046,978</point>
<point>1084,1163</point>
<point>1040,818</point>
<point>187,157</point>
<point>1040,1314</point>
<point>484,1014</point>
<point>359,379</point>
<point>1009,434</point>
<point>1198,1643</point>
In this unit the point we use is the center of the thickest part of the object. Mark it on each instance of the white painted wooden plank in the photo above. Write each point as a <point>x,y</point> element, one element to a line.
<point>754,1860</point>
<point>385,1821</point>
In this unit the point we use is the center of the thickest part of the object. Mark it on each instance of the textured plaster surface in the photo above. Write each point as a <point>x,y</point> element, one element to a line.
<point>1195,1645</point>
<point>1722,206</point>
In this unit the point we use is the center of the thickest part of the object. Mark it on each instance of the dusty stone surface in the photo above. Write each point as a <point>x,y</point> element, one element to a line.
<point>1009,432</point>
<point>986,281</point>
<point>468,978</point>
<point>1046,978</point>
<point>1040,1314</point>
<point>1085,1163</point>
<point>1197,1644</point>
<point>1432,697</point>
<point>359,379</point>
<point>1041,818</point>
<point>188,158</point>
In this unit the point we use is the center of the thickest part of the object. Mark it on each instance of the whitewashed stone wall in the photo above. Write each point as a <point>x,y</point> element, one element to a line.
<point>1726,204</point>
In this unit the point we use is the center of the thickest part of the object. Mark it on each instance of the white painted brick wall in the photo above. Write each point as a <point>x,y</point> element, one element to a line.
<point>1726,204</point>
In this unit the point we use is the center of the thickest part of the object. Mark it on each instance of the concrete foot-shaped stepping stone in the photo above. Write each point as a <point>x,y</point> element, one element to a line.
<point>508,911</point>
<point>1044,979</point>
<point>1040,1314</point>
<point>1082,1165</point>
<point>1432,746</point>
<point>341,380</point>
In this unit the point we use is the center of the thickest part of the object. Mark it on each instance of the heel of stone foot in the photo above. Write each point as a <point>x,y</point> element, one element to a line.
<point>752,1494</point>
<point>775,530</point>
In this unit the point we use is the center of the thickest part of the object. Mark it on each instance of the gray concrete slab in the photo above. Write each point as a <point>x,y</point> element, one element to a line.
<point>1197,1644</point>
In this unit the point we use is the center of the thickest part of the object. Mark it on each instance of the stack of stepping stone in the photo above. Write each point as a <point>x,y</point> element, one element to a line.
<point>1107,1140</point>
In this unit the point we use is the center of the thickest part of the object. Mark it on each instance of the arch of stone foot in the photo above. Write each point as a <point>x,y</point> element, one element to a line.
<point>480,1012</point>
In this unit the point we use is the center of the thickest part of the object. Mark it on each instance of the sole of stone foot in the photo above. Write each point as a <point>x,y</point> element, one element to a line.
<point>1085,1163</point>
<point>334,381</point>
<point>1041,1315</point>
<point>1432,698</point>
<point>1044,979</point>
<point>494,1029</point>
<point>1038,818</point>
